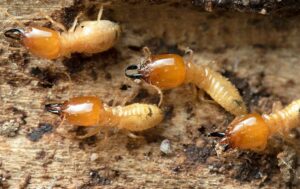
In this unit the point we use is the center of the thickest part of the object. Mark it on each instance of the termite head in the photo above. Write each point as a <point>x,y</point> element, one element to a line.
<point>247,132</point>
<point>165,71</point>
<point>83,111</point>
<point>40,41</point>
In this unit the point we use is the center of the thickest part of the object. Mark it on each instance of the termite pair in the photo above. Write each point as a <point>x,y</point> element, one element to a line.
<point>89,111</point>
<point>167,71</point>
<point>88,37</point>
<point>252,131</point>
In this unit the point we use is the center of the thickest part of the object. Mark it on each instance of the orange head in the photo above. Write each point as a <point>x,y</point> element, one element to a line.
<point>82,111</point>
<point>40,41</point>
<point>165,71</point>
<point>247,132</point>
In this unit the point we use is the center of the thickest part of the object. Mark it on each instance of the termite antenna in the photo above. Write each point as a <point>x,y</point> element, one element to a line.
<point>73,27</point>
<point>217,134</point>
<point>146,51</point>
<point>12,17</point>
<point>101,10</point>
<point>54,108</point>
<point>55,23</point>
<point>62,120</point>
<point>100,13</point>
<point>134,75</point>
<point>160,93</point>
<point>147,54</point>
<point>70,82</point>
<point>14,33</point>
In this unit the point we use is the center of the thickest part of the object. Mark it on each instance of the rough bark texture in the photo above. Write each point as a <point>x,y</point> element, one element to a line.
<point>257,49</point>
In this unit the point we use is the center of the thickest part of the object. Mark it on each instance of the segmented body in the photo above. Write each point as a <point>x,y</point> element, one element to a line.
<point>90,37</point>
<point>284,120</point>
<point>135,117</point>
<point>218,87</point>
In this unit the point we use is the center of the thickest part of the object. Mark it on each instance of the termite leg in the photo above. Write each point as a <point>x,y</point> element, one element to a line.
<point>90,132</point>
<point>160,93</point>
<point>134,136</point>
<point>114,102</point>
<point>62,121</point>
<point>72,29</point>
<point>100,13</point>
<point>62,132</point>
<point>201,96</point>
<point>106,133</point>
<point>211,62</point>
<point>276,106</point>
<point>190,54</point>
<point>13,18</point>
<point>101,10</point>
<point>126,99</point>
<point>198,95</point>
<point>70,85</point>
<point>57,24</point>
<point>147,52</point>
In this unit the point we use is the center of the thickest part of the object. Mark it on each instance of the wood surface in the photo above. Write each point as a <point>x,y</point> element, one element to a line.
<point>258,51</point>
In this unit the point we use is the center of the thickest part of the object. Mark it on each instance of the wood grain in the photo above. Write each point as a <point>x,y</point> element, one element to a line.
<point>260,54</point>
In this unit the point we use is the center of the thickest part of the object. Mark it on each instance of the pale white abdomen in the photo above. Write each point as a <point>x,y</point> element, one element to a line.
<point>218,87</point>
<point>136,117</point>
<point>90,37</point>
<point>283,120</point>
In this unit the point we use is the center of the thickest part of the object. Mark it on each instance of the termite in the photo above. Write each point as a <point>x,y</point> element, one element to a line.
<point>167,71</point>
<point>89,111</point>
<point>88,37</point>
<point>252,131</point>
